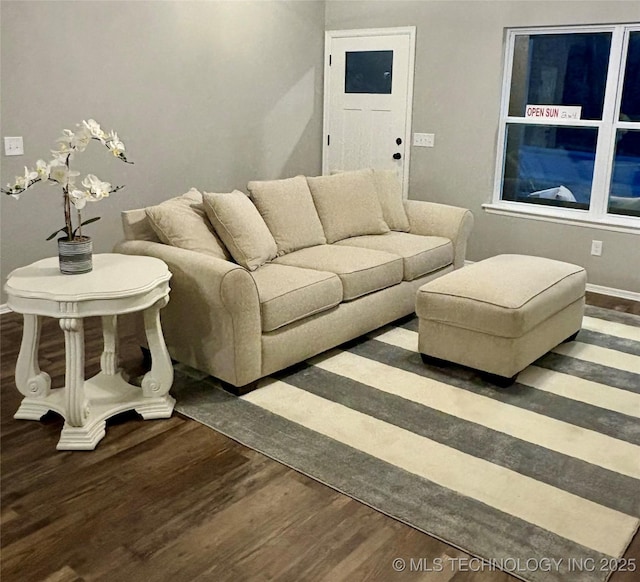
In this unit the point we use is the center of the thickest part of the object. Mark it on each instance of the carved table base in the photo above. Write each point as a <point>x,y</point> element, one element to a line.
<point>105,396</point>
<point>86,405</point>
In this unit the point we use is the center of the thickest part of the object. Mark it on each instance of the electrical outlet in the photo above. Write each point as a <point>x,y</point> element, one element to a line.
<point>424,140</point>
<point>13,146</point>
<point>596,248</point>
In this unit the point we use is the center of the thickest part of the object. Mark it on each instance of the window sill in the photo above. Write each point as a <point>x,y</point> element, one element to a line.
<point>624,224</point>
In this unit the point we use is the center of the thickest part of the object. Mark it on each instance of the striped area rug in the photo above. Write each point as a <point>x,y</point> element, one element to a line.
<point>542,478</point>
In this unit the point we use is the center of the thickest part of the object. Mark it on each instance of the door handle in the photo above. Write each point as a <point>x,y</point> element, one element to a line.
<point>397,156</point>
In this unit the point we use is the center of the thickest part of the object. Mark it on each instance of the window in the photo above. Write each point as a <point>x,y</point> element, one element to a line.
<point>368,72</point>
<point>569,141</point>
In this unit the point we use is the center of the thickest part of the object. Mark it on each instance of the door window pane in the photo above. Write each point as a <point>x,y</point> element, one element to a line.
<point>560,69</point>
<point>625,180</point>
<point>552,166</point>
<point>368,72</point>
<point>630,108</point>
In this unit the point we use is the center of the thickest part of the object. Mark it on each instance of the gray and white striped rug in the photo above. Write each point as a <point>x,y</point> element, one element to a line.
<point>542,478</point>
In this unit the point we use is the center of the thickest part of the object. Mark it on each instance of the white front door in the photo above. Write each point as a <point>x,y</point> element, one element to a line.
<point>368,95</point>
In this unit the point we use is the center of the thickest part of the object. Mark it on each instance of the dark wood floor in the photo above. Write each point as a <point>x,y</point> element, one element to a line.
<point>174,500</point>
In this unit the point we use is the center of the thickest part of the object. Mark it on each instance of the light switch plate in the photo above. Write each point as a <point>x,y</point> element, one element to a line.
<point>13,146</point>
<point>424,140</point>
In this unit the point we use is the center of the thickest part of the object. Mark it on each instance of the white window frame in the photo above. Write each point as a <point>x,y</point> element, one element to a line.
<point>596,216</point>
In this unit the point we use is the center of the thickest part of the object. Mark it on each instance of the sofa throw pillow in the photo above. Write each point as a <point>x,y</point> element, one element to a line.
<point>137,226</point>
<point>182,222</point>
<point>347,204</point>
<point>288,211</point>
<point>241,228</point>
<point>389,190</point>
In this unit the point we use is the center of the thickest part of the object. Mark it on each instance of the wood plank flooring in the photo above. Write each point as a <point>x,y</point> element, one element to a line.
<point>174,500</point>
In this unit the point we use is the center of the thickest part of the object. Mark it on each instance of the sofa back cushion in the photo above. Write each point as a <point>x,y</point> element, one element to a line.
<point>347,204</point>
<point>241,228</point>
<point>182,222</point>
<point>288,211</point>
<point>389,190</point>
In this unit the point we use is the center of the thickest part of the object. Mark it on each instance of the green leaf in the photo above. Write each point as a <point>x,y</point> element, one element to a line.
<point>88,221</point>
<point>63,230</point>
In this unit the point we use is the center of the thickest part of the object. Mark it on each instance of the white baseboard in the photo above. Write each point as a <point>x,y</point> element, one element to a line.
<point>621,293</point>
<point>602,290</point>
<point>4,308</point>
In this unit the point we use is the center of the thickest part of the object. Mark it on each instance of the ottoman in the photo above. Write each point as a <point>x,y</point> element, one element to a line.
<point>501,314</point>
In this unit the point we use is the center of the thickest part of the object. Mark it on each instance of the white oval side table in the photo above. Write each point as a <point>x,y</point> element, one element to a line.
<point>117,285</point>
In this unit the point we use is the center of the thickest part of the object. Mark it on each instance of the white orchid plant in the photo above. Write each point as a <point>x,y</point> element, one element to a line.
<point>58,171</point>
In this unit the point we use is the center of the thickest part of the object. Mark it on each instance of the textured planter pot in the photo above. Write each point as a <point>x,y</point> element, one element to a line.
<point>75,255</point>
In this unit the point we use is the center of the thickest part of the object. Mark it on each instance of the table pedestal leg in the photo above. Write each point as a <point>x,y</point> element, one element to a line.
<point>109,360</point>
<point>76,434</point>
<point>156,382</point>
<point>32,383</point>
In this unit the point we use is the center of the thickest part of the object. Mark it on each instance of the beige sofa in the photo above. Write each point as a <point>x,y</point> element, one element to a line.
<point>300,266</point>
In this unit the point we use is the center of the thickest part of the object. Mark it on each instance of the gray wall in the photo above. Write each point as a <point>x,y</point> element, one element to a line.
<point>458,78</point>
<point>204,94</point>
<point>213,94</point>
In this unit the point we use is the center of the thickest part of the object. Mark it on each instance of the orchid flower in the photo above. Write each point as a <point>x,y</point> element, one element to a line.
<point>78,198</point>
<point>43,169</point>
<point>97,189</point>
<point>29,175</point>
<point>95,130</point>
<point>81,139</point>
<point>115,145</point>
<point>57,171</point>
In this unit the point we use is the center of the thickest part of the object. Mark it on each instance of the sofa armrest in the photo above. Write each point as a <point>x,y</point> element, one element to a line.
<point>212,321</point>
<point>452,222</point>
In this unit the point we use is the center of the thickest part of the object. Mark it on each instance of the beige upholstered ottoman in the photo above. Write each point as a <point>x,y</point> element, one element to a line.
<point>501,314</point>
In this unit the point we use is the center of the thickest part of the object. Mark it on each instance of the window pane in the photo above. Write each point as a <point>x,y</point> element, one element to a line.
<point>560,69</point>
<point>549,165</point>
<point>630,109</point>
<point>368,72</point>
<point>625,181</point>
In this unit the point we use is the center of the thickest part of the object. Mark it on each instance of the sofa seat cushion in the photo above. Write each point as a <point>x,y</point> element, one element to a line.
<point>288,294</point>
<point>504,296</point>
<point>420,254</point>
<point>361,271</point>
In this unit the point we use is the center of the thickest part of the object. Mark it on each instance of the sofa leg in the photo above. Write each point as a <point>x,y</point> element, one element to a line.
<point>571,337</point>
<point>433,361</point>
<point>500,381</point>
<point>239,390</point>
